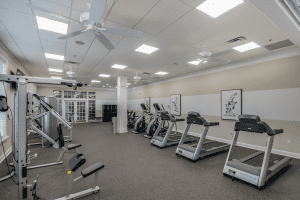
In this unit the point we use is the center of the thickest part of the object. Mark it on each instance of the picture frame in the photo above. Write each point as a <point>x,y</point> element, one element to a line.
<point>231,104</point>
<point>175,104</point>
<point>147,102</point>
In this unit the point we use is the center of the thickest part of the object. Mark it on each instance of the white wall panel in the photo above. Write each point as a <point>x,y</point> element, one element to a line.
<point>281,104</point>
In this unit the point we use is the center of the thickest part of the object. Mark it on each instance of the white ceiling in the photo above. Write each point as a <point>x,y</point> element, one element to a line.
<point>174,26</point>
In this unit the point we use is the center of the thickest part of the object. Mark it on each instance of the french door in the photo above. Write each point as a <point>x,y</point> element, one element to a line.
<point>75,111</point>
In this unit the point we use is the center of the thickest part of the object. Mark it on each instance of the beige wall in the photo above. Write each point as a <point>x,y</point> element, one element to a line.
<point>278,74</point>
<point>272,75</point>
<point>12,65</point>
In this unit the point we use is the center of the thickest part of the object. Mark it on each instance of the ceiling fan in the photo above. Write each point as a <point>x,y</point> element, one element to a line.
<point>137,78</point>
<point>93,23</point>
<point>206,56</point>
<point>71,73</point>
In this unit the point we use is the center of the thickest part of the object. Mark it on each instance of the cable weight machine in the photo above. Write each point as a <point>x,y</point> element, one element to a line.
<point>20,124</point>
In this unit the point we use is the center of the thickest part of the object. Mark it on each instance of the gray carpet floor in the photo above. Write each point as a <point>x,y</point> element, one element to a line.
<point>136,170</point>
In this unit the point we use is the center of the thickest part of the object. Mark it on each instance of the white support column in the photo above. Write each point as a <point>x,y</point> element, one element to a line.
<point>122,104</point>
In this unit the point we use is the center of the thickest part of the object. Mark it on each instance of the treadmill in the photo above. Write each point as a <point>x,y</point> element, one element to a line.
<point>243,169</point>
<point>171,137</point>
<point>203,148</point>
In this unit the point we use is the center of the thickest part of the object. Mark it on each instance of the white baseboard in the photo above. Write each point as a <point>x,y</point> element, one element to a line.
<point>6,153</point>
<point>250,146</point>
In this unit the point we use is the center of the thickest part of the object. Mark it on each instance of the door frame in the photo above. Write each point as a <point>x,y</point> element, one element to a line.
<point>75,108</point>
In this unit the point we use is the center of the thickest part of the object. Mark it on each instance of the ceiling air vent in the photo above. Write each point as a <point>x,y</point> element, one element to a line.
<point>236,39</point>
<point>146,73</point>
<point>279,45</point>
<point>71,63</point>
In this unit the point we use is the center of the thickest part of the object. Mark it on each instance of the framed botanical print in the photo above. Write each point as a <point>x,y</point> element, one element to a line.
<point>147,102</point>
<point>175,104</point>
<point>231,104</point>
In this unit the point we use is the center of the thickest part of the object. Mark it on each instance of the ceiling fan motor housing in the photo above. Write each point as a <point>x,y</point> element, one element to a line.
<point>205,53</point>
<point>84,18</point>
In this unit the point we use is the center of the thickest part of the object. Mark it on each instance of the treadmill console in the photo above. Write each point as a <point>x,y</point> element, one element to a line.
<point>143,106</point>
<point>164,115</point>
<point>250,123</point>
<point>194,118</point>
<point>156,106</point>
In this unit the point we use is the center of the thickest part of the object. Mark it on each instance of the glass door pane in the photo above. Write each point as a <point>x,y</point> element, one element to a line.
<point>80,110</point>
<point>69,110</point>
<point>92,109</point>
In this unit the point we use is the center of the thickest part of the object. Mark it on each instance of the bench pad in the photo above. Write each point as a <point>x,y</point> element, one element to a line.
<point>92,169</point>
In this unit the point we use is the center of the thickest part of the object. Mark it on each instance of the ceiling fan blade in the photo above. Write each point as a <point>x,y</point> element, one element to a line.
<point>96,10</point>
<point>124,32</point>
<point>51,13</point>
<point>220,60</point>
<point>223,53</point>
<point>104,41</point>
<point>73,34</point>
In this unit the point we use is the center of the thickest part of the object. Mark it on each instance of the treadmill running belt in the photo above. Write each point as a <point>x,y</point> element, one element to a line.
<point>257,161</point>
<point>212,145</point>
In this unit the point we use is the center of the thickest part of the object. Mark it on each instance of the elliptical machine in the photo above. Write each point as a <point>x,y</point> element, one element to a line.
<point>131,118</point>
<point>155,122</point>
<point>141,124</point>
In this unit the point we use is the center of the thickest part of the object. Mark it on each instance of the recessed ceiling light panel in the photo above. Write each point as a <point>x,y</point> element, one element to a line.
<point>215,8</point>
<point>146,49</point>
<point>95,81</point>
<point>119,66</point>
<point>54,77</point>
<point>55,70</point>
<point>195,62</point>
<point>104,75</point>
<point>53,56</point>
<point>162,73</point>
<point>246,47</point>
<point>51,25</point>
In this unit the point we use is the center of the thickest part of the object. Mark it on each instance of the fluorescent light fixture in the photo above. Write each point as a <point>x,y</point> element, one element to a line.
<point>54,77</point>
<point>205,61</point>
<point>55,70</point>
<point>89,85</point>
<point>119,66</point>
<point>246,47</point>
<point>95,81</point>
<point>104,75</point>
<point>103,86</point>
<point>51,25</point>
<point>53,56</point>
<point>195,62</point>
<point>128,83</point>
<point>146,49</point>
<point>162,73</point>
<point>215,8</point>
